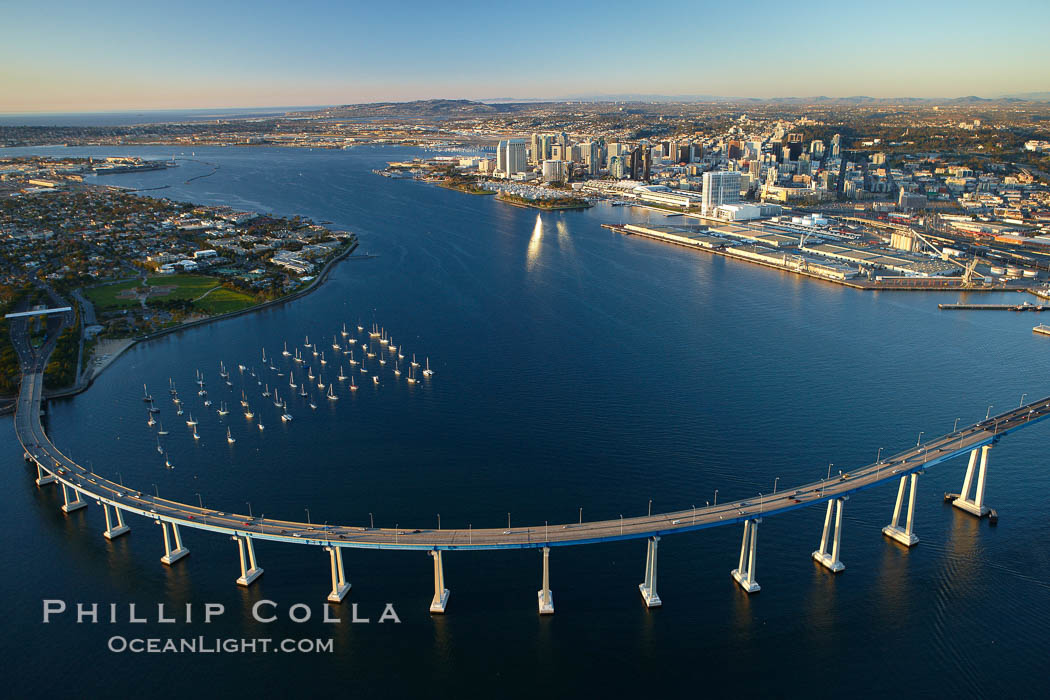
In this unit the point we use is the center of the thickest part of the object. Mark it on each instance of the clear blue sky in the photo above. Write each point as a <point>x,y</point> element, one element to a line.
<point>79,55</point>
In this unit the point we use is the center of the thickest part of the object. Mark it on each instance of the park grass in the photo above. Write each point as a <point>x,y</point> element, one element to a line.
<point>223,301</point>
<point>104,297</point>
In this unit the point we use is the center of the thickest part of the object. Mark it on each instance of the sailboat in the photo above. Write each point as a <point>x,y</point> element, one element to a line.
<point>351,341</point>
<point>222,409</point>
<point>207,402</point>
<point>310,374</point>
<point>179,412</point>
<point>360,327</point>
<point>397,369</point>
<point>244,400</point>
<point>191,422</point>
<point>291,380</point>
<point>229,437</point>
<point>167,462</point>
<point>264,355</point>
<point>331,395</point>
<point>266,393</point>
<point>353,387</point>
<point>277,399</point>
<point>248,411</point>
<point>382,360</point>
<point>307,343</point>
<point>428,372</point>
<point>414,363</point>
<point>161,430</point>
<point>152,408</point>
<point>352,360</point>
<point>171,386</point>
<point>335,343</point>
<point>374,333</point>
<point>283,352</point>
<point>195,435</point>
<point>412,374</point>
<point>400,355</point>
<point>302,390</point>
<point>392,347</point>
<point>375,379</point>
<point>176,400</point>
<point>286,417</point>
<point>323,361</point>
<point>369,354</point>
<point>159,448</point>
<point>145,394</point>
<point>344,331</point>
<point>222,370</point>
<point>262,427</point>
<point>200,379</point>
<point>341,377</point>
<point>150,422</point>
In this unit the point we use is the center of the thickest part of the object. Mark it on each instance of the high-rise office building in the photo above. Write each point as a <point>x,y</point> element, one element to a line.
<point>535,150</point>
<point>816,149</point>
<point>720,187</point>
<point>641,162</point>
<point>592,156</point>
<point>510,156</point>
<point>616,168</point>
<point>555,171</point>
<point>836,145</point>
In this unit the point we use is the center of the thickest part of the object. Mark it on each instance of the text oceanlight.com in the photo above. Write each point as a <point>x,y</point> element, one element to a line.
<point>204,645</point>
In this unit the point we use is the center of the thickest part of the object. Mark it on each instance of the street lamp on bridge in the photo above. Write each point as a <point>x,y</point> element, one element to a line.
<point>988,414</point>
<point>1022,400</point>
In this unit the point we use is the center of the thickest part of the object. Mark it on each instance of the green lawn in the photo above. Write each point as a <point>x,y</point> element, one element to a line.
<point>106,297</point>
<point>186,287</point>
<point>223,301</point>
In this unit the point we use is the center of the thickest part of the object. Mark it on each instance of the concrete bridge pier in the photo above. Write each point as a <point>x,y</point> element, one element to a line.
<point>648,586</point>
<point>172,555</point>
<point>744,573</point>
<point>69,505</point>
<point>43,476</point>
<point>822,556</point>
<point>440,601</point>
<point>340,586</point>
<point>121,528</point>
<point>250,574</point>
<point>974,505</point>
<point>544,596</point>
<point>894,531</point>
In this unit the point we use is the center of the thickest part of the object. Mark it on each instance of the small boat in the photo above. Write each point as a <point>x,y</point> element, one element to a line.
<point>335,343</point>
<point>272,368</point>
<point>400,355</point>
<point>306,344</point>
<point>360,328</point>
<point>283,352</point>
<point>374,333</point>
<point>241,368</point>
<point>291,380</point>
<point>286,417</point>
<point>264,355</point>
<point>248,412</point>
<point>161,430</point>
<point>352,341</point>
<point>341,377</point>
<point>313,405</point>
<point>323,361</point>
<point>191,422</point>
<point>262,427</point>
<point>202,392</point>
<point>222,370</point>
<point>222,409</point>
<point>331,395</point>
<point>207,402</point>
<point>397,369</point>
<point>229,383</point>
<point>277,400</point>
<point>195,435</point>
<point>364,370</point>
<point>200,378</point>
<point>229,437</point>
<point>150,422</point>
<point>179,412</point>
<point>152,408</point>
<point>171,386</point>
<point>353,387</point>
<point>352,360</point>
<point>310,374</point>
<point>411,374</point>
<point>145,394</point>
<point>302,390</point>
<point>414,363</point>
<point>159,448</point>
<point>344,331</point>
<point>167,462</point>
<point>266,392</point>
<point>375,379</point>
<point>428,372</point>
<point>244,400</point>
<point>370,354</point>
<point>177,401</point>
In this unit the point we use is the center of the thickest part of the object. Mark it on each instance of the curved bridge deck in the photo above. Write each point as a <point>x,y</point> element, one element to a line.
<point>50,459</point>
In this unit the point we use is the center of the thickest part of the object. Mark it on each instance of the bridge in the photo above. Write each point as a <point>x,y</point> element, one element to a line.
<point>80,485</point>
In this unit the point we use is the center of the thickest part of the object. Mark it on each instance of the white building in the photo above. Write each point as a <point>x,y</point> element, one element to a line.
<point>511,157</point>
<point>720,187</point>
<point>554,171</point>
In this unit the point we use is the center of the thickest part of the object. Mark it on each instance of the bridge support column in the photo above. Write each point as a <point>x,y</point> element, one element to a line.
<point>43,477</point>
<point>340,586</point>
<point>544,596</point>
<point>114,532</point>
<point>974,505</point>
<point>744,573</point>
<point>172,555</point>
<point>648,587</point>
<point>250,574</point>
<point>69,505</point>
<point>822,556</point>
<point>440,601</point>
<point>903,535</point>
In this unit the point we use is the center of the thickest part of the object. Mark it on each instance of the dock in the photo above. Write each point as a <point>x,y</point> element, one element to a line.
<point>1042,329</point>
<point>1026,306</point>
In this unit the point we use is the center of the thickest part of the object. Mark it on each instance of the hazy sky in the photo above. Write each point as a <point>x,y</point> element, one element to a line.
<point>66,55</point>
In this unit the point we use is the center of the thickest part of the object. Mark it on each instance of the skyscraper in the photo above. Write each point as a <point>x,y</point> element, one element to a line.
<point>510,156</point>
<point>836,145</point>
<point>720,187</point>
<point>641,162</point>
<point>592,156</point>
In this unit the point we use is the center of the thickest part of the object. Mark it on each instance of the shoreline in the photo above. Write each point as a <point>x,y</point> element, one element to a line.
<point>83,385</point>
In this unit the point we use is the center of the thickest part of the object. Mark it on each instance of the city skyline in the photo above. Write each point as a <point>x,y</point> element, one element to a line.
<point>115,56</point>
